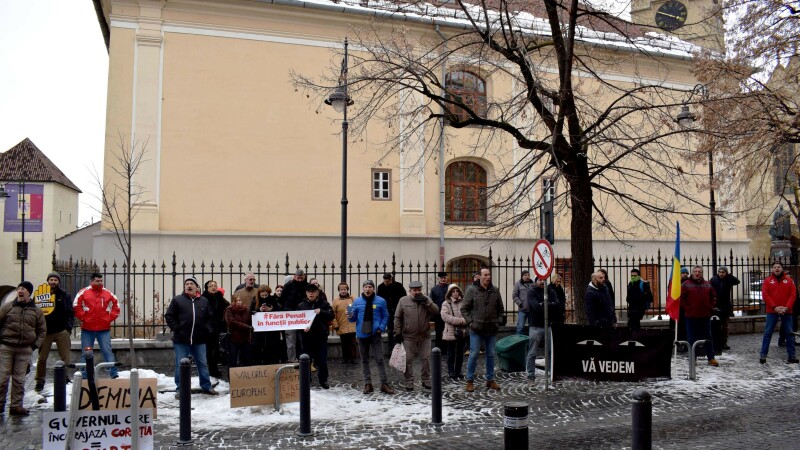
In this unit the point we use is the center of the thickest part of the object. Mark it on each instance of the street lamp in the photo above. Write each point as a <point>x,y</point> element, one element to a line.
<point>340,101</point>
<point>686,119</point>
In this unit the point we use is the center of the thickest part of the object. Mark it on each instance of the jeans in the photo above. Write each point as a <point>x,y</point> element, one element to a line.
<point>198,351</point>
<point>786,330</point>
<point>698,329</point>
<point>522,317</point>
<point>104,340</point>
<point>474,349</point>
<point>375,345</point>
<point>536,338</point>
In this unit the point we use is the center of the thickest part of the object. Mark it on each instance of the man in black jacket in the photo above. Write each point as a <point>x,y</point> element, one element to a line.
<point>392,292</point>
<point>218,305</point>
<point>294,292</point>
<point>438,293</point>
<point>599,305</point>
<point>190,318</point>
<point>315,337</point>
<point>536,331</point>
<point>640,298</point>
<point>723,283</point>
<point>60,318</point>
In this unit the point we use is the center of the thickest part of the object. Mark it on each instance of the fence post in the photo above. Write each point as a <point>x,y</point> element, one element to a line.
<point>60,387</point>
<point>185,394</point>
<point>305,396</point>
<point>515,426</point>
<point>642,420</point>
<point>436,386</point>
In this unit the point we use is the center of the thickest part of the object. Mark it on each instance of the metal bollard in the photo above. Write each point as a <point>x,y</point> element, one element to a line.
<point>436,386</point>
<point>134,408</point>
<point>305,396</point>
<point>88,356</point>
<point>642,418</point>
<point>185,394</point>
<point>60,387</point>
<point>515,426</point>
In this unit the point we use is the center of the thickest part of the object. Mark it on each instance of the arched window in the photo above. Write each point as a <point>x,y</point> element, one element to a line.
<point>465,192</point>
<point>461,270</point>
<point>467,89</point>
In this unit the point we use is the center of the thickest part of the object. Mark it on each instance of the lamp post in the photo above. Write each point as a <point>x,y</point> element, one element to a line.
<point>686,119</point>
<point>340,101</point>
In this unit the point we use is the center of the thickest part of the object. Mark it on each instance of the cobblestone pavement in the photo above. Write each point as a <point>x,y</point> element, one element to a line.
<point>741,404</point>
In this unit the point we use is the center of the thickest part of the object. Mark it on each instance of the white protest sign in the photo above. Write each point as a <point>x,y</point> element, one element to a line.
<point>101,430</point>
<point>283,320</point>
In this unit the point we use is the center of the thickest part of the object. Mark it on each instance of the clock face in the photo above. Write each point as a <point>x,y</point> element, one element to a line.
<point>671,15</point>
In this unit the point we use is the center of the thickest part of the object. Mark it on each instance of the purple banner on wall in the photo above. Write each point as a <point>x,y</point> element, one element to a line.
<point>34,206</point>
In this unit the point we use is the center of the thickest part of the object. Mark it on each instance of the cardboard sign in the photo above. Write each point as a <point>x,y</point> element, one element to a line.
<point>101,430</point>
<point>255,385</point>
<point>116,394</point>
<point>283,320</point>
<point>43,299</point>
<point>611,354</point>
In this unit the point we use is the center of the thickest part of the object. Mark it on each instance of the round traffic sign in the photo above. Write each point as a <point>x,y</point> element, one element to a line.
<point>542,259</point>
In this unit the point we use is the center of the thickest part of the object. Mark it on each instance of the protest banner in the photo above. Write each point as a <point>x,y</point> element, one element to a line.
<point>610,354</point>
<point>116,394</point>
<point>255,385</point>
<point>283,320</point>
<point>101,430</point>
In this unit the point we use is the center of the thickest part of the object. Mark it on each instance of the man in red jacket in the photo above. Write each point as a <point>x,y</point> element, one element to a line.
<point>96,307</point>
<point>698,300</point>
<point>778,292</point>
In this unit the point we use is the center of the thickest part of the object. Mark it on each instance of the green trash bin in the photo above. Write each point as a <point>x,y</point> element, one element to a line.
<point>511,352</point>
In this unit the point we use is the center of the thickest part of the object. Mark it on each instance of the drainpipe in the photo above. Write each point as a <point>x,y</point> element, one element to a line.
<point>441,164</point>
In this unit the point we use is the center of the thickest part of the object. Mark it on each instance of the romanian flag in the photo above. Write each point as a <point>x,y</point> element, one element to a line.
<point>674,288</point>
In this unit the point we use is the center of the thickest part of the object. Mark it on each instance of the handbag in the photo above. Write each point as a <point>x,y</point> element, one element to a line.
<point>459,333</point>
<point>398,359</point>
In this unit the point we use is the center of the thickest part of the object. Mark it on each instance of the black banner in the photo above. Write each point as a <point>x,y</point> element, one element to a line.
<point>610,354</point>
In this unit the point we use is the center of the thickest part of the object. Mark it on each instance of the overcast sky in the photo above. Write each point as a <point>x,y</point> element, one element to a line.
<point>53,86</point>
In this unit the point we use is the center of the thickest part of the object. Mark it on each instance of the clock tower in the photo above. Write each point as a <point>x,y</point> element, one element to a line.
<point>697,21</point>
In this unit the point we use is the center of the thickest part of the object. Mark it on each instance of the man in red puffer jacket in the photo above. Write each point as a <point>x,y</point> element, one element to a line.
<point>698,300</point>
<point>778,292</point>
<point>96,307</point>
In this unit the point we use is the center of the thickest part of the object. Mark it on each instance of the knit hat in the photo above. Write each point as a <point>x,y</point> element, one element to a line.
<point>387,276</point>
<point>368,282</point>
<point>724,269</point>
<point>450,289</point>
<point>54,274</point>
<point>526,272</point>
<point>311,287</point>
<point>27,285</point>
<point>684,270</point>
<point>193,280</point>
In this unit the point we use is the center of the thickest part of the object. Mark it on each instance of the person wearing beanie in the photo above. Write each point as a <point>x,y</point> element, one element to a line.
<point>22,330</point>
<point>97,307</point>
<point>370,315</point>
<point>520,296</point>
<point>723,283</point>
<point>60,318</point>
<point>315,337</point>
<point>191,320</point>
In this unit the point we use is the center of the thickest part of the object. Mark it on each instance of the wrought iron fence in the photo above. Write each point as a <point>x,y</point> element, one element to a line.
<point>153,284</point>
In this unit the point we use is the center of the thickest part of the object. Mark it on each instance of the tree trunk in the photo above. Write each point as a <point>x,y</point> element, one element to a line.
<point>581,243</point>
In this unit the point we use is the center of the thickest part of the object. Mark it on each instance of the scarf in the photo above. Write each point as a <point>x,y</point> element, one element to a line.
<point>366,325</point>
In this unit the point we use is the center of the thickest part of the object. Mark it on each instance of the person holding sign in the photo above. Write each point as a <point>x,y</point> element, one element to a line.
<point>315,337</point>
<point>60,318</point>
<point>371,316</point>
<point>22,330</point>
<point>190,319</point>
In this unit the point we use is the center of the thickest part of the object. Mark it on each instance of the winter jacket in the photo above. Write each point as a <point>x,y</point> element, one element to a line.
<point>412,318</point>
<point>61,317</point>
<point>239,322</point>
<point>248,296</point>
<point>22,325</point>
<point>294,292</point>
<point>599,307</point>
<point>190,319</point>
<point>778,292</point>
<point>96,308</point>
<point>438,293</point>
<point>392,294</point>
<point>271,301</point>
<point>520,294</point>
<point>535,302</point>
<point>340,322</point>
<point>380,315</point>
<point>218,306</point>
<point>483,309</point>
<point>698,298</point>
<point>560,293</point>
<point>639,296</point>
<point>723,287</point>
<point>453,319</point>
<point>319,327</point>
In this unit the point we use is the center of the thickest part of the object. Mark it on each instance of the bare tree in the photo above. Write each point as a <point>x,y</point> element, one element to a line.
<point>610,142</point>
<point>119,197</point>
